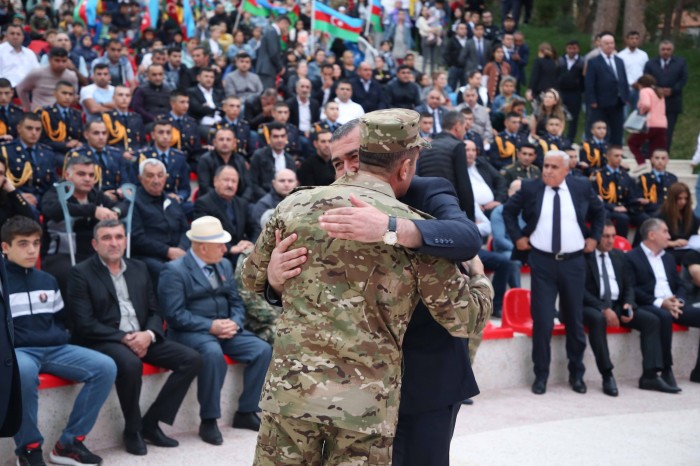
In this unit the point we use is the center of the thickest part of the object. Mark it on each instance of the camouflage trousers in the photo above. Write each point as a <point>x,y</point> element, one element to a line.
<point>286,441</point>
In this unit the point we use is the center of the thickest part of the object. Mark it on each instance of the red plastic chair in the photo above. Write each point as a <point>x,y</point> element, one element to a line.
<point>679,328</point>
<point>516,313</point>
<point>622,244</point>
<point>52,381</point>
<point>492,332</point>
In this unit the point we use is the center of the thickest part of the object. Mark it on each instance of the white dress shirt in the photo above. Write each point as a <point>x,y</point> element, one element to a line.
<point>570,62</point>
<point>662,288</point>
<point>209,98</point>
<point>571,236</point>
<point>482,221</point>
<point>15,65</point>
<point>614,288</point>
<point>280,162</point>
<point>482,192</point>
<point>348,111</point>
<point>304,115</point>
<point>634,63</point>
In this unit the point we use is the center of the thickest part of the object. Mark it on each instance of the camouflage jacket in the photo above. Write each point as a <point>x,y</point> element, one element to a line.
<point>260,316</point>
<point>337,353</point>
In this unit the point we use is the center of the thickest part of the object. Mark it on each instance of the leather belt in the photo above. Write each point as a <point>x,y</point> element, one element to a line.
<point>560,256</point>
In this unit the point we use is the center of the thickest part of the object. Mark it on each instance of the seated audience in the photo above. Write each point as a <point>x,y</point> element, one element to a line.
<point>652,187</point>
<point>523,168</point>
<point>284,182</point>
<point>488,185</point>
<point>593,152</point>
<point>317,170</point>
<point>267,161</point>
<point>224,153</point>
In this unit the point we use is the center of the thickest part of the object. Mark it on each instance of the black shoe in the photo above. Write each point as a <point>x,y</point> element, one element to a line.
<point>31,457</point>
<point>249,421</point>
<point>209,432</point>
<point>577,384</point>
<point>468,401</point>
<point>158,438</point>
<point>695,375</point>
<point>134,443</point>
<point>539,387</point>
<point>667,376</point>
<point>609,385</point>
<point>75,454</point>
<point>658,384</point>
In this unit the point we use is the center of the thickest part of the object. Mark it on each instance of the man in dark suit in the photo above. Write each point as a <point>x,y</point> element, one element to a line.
<point>367,91</point>
<point>671,75</point>
<point>571,84</point>
<point>433,107</point>
<point>609,302</point>
<point>438,374</point>
<point>453,57</point>
<point>258,109</point>
<point>10,389</point>
<point>555,210</point>
<point>446,158</point>
<point>477,52</point>
<point>232,211</point>
<point>224,153</point>
<point>301,100</point>
<point>113,309</point>
<point>269,61</point>
<point>607,91</point>
<point>205,99</point>
<point>660,290</point>
<point>266,161</point>
<point>204,311</point>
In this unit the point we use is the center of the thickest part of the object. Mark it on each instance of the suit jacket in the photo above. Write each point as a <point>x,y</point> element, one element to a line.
<point>93,306</point>
<point>10,390</point>
<point>369,100</point>
<point>528,202</point>
<point>675,77</point>
<point>262,171</point>
<point>269,60</point>
<point>190,303</point>
<point>245,226</point>
<point>470,57</point>
<point>602,87</point>
<point>157,228</point>
<point>644,279</point>
<point>198,107</point>
<point>492,178</point>
<point>453,53</point>
<point>623,276</point>
<point>314,106</point>
<point>423,108</point>
<point>571,80</point>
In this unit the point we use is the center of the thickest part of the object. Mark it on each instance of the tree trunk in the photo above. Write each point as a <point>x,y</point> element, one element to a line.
<point>583,14</point>
<point>677,17</point>
<point>668,17</point>
<point>606,15</point>
<point>634,18</point>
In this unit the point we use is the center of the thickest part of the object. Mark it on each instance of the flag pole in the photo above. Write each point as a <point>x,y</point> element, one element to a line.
<point>238,16</point>
<point>312,36</point>
<point>369,17</point>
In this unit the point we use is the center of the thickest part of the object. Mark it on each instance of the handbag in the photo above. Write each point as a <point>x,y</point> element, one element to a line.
<point>636,123</point>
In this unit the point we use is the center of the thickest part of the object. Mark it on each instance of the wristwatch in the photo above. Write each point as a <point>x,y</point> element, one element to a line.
<point>390,237</point>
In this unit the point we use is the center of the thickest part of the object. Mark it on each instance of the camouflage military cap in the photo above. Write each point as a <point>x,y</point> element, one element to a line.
<point>390,131</point>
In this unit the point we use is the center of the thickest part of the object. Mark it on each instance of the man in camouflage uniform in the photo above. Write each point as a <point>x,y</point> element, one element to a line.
<point>523,168</point>
<point>345,360</point>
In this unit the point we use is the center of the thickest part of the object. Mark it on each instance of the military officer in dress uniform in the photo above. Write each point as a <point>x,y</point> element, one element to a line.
<point>125,130</point>
<point>506,143</point>
<point>616,189</point>
<point>523,168</point>
<point>178,185</point>
<point>330,122</point>
<point>63,125</point>
<point>185,129</point>
<point>552,139</point>
<point>245,142</point>
<point>10,113</point>
<point>280,114</point>
<point>30,165</point>
<point>111,170</point>
<point>593,152</point>
<point>653,187</point>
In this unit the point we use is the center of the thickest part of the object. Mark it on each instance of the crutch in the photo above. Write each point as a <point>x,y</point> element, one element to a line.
<point>65,190</point>
<point>129,193</point>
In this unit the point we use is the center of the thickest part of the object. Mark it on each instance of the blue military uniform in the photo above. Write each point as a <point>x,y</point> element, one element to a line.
<point>113,169</point>
<point>293,146</point>
<point>548,142</point>
<point>616,189</point>
<point>178,171</point>
<point>59,127</point>
<point>654,186</point>
<point>476,138</point>
<point>593,153</point>
<point>185,137</point>
<point>32,173</point>
<point>125,131</point>
<point>9,117</point>
<point>241,130</point>
<point>505,148</point>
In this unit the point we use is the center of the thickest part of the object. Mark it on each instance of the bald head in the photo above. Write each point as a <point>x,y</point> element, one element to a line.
<point>284,182</point>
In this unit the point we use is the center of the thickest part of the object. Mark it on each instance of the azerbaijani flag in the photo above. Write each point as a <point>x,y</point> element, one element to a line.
<point>294,15</point>
<point>376,15</point>
<point>275,10</point>
<point>188,27</point>
<point>252,7</point>
<point>336,24</point>
<point>86,11</point>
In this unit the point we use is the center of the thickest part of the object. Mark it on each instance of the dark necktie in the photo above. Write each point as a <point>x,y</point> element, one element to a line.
<point>123,118</point>
<point>30,154</point>
<point>607,295</point>
<point>211,276</point>
<point>3,114</point>
<point>435,121</point>
<point>556,222</point>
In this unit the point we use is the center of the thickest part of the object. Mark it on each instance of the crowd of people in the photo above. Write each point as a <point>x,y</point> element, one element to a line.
<point>252,107</point>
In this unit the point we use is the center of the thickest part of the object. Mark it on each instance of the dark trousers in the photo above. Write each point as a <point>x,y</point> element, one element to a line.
<point>268,81</point>
<point>671,118</point>
<point>595,321</point>
<point>690,318</point>
<point>549,278</point>
<point>572,100</point>
<point>423,439</point>
<point>656,138</point>
<point>613,117</point>
<point>648,326</point>
<point>183,361</point>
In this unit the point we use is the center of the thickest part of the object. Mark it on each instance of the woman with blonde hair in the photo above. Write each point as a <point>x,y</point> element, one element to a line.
<point>652,104</point>
<point>550,105</point>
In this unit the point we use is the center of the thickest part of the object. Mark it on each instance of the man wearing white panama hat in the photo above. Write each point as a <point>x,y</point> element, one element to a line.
<point>203,310</point>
